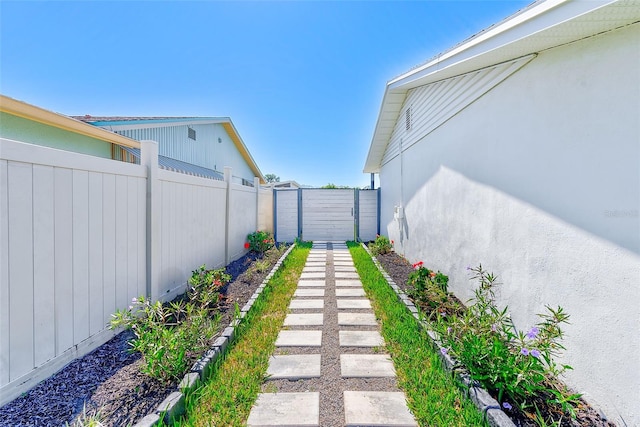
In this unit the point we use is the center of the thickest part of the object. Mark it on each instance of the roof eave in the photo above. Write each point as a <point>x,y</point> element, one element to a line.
<point>31,112</point>
<point>486,48</point>
<point>229,127</point>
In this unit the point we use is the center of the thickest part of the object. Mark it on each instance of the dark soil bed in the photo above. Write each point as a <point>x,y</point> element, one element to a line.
<point>399,269</point>
<point>108,380</point>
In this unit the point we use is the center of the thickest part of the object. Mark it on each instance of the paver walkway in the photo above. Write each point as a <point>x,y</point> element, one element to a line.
<point>327,369</point>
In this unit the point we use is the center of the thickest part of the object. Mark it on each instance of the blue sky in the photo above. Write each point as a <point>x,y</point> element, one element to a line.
<point>302,81</point>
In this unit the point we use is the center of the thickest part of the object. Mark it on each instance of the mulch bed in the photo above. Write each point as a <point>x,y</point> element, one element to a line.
<point>399,269</point>
<point>108,379</point>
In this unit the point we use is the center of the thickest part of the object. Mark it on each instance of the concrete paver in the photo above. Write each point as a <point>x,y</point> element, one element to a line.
<point>309,292</point>
<point>360,339</point>
<point>312,275</point>
<point>304,319</point>
<point>366,366</point>
<point>348,282</point>
<point>350,292</point>
<point>306,304</point>
<point>314,269</point>
<point>346,275</point>
<point>345,269</point>
<point>285,409</point>
<point>377,408</point>
<point>353,303</point>
<point>357,319</point>
<point>308,283</point>
<point>296,366</point>
<point>299,339</point>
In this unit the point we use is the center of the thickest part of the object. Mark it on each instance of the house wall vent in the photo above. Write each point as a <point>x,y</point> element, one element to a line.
<point>408,118</point>
<point>192,134</point>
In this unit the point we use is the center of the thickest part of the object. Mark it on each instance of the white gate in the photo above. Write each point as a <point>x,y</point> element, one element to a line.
<point>328,214</point>
<point>314,214</point>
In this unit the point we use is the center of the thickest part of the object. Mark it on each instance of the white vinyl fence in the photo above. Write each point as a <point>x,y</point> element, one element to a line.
<point>326,214</point>
<point>80,236</point>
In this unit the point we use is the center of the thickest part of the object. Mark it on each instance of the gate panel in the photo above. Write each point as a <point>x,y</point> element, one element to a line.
<point>286,215</point>
<point>327,214</point>
<point>367,215</point>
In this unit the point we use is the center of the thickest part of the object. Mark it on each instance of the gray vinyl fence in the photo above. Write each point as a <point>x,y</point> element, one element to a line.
<point>80,236</point>
<point>314,214</point>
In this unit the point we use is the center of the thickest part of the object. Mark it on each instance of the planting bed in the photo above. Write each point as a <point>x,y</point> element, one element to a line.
<point>399,269</point>
<point>108,380</point>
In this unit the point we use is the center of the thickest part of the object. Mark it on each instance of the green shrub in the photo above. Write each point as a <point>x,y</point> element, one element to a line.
<point>259,241</point>
<point>519,367</point>
<point>429,289</point>
<point>170,336</point>
<point>382,245</point>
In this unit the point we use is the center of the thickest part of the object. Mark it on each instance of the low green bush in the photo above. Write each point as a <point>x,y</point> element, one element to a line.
<point>382,245</point>
<point>170,336</point>
<point>519,367</point>
<point>259,241</point>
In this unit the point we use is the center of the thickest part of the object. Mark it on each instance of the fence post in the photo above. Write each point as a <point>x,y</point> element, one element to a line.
<point>256,185</point>
<point>149,158</point>
<point>227,250</point>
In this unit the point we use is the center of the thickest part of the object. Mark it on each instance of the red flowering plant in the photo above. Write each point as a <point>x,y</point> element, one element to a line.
<point>429,288</point>
<point>259,241</point>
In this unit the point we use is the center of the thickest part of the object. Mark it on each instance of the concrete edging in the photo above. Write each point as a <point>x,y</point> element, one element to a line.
<point>174,404</point>
<point>490,407</point>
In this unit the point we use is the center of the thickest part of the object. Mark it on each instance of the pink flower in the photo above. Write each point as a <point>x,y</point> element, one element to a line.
<point>418,264</point>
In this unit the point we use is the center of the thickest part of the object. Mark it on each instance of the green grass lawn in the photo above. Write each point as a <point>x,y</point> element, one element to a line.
<point>229,393</point>
<point>432,394</point>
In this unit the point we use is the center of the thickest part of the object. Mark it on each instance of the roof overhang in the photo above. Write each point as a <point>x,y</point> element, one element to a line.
<point>49,118</point>
<point>146,123</point>
<point>542,25</point>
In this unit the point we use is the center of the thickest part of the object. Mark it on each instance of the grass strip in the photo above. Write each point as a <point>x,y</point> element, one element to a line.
<point>432,394</point>
<point>232,388</point>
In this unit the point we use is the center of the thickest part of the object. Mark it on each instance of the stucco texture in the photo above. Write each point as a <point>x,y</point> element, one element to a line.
<point>539,180</point>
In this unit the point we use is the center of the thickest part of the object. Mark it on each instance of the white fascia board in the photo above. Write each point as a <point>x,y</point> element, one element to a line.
<point>383,131</point>
<point>139,124</point>
<point>539,18</point>
<point>497,44</point>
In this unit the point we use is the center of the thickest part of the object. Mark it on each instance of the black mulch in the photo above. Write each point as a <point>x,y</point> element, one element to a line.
<point>108,379</point>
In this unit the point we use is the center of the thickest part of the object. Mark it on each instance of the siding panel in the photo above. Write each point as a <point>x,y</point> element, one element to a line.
<point>20,205</point>
<point>4,274</point>
<point>109,247</point>
<point>63,259</point>
<point>96,280</point>
<point>432,105</point>
<point>80,256</point>
<point>287,215</point>
<point>44,263</point>
<point>368,214</point>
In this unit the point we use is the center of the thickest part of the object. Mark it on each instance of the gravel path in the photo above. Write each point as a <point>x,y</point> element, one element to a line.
<point>330,384</point>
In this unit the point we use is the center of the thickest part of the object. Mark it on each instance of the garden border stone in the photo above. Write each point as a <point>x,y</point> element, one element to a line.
<point>490,407</point>
<point>174,404</point>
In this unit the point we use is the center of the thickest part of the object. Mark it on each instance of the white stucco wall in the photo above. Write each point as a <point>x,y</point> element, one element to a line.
<point>539,180</point>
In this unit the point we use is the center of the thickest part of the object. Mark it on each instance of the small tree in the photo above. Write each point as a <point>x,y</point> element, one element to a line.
<point>271,177</point>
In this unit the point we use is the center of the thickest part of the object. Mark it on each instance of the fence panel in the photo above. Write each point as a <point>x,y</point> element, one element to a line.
<point>57,242</point>
<point>286,215</point>
<point>192,218</point>
<point>242,218</point>
<point>368,220</point>
<point>74,247</point>
<point>265,210</point>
